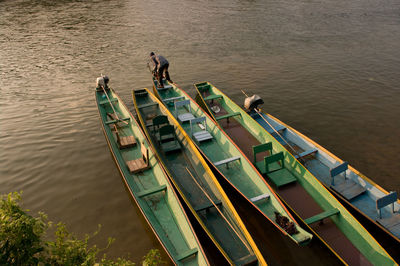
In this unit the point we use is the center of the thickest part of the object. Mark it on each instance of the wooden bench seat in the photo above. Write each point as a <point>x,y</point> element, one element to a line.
<point>141,164</point>
<point>185,116</point>
<point>227,116</point>
<point>117,120</point>
<point>348,188</point>
<point>275,170</point>
<point>278,129</point>
<point>124,141</point>
<point>147,105</point>
<point>186,254</point>
<point>113,100</point>
<point>166,87</point>
<point>203,134</point>
<point>208,206</point>
<point>213,97</point>
<point>260,197</point>
<point>167,139</point>
<point>321,216</point>
<point>306,153</point>
<point>173,99</point>
<point>227,161</point>
<point>151,191</point>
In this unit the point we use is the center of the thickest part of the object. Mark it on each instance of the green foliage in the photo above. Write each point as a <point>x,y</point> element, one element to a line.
<point>20,233</point>
<point>153,258</point>
<point>21,241</point>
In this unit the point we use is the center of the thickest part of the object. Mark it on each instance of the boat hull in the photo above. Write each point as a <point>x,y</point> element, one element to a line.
<point>301,142</point>
<point>197,185</point>
<point>162,210</point>
<point>307,197</point>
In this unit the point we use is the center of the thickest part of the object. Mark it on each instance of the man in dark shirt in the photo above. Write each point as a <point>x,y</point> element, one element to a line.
<point>160,66</point>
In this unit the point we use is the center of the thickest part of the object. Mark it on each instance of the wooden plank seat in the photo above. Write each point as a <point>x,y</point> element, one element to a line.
<point>227,116</point>
<point>213,97</point>
<point>246,260</point>
<point>167,142</point>
<point>208,205</point>
<point>151,191</point>
<point>392,222</point>
<point>278,129</point>
<point>227,161</point>
<point>124,141</point>
<point>277,172</point>
<point>348,188</point>
<point>147,105</point>
<point>203,134</point>
<point>166,87</point>
<point>141,164</point>
<point>319,217</point>
<point>306,153</point>
<point>159,121</point>
<point>261,148</point>
<point>117,120</point>
<point>113,100</point>
<point>186,254</point>
<point>203,87</point>
<point>260,197</point>
<point>260,165</point>
<point>172,99</point>
<point>185,116</point>
<point>140,92</point>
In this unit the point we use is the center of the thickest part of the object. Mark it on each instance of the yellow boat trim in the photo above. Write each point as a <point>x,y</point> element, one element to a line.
<point>208,170</point>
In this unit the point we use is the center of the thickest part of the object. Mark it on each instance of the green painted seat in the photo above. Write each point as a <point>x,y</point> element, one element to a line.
<point>203,87</point>
<point>167,142</point>
<point>213,97</point>
<point>321,216</point>
<point>261,164</point>
<point>276,172</point>
<point>227,116</point>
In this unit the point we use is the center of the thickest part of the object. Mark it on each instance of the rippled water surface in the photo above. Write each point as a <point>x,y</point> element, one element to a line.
<point>329,68</point>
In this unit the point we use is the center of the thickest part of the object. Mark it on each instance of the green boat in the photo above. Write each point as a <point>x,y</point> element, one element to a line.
<point>147,182</point>
<point>229,160</point>
<point>195,182</point>
<point>307,198</point>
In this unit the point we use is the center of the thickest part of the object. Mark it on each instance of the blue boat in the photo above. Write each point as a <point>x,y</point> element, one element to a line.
<point>379,210</point>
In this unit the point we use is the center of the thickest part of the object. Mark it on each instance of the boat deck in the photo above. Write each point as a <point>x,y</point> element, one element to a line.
<point>296,197</point>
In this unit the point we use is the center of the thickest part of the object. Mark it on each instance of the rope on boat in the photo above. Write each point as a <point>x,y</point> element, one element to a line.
<point>216,207</point>
<point>258,112</point>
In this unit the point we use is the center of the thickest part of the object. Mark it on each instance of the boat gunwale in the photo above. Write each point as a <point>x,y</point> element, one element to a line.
<point>348,214</point>
<point>133,194</point>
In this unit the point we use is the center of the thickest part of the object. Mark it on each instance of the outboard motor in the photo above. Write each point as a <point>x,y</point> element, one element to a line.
<point>102,82</point>
<point>250,103</point>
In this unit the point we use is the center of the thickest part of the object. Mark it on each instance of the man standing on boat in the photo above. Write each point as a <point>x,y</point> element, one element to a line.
<point>160,67</point>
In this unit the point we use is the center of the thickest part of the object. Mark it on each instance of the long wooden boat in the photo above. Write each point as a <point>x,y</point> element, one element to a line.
<point>296,186</point>
<point>195,182</point>
<point>378,209</point>
<point>147,182</point>
<point>228,160</point>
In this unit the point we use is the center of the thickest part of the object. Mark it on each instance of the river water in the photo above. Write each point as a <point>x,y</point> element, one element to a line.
<point>329,68</point>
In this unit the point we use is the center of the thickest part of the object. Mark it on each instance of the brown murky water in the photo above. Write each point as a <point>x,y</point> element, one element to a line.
<point>328,68</point>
